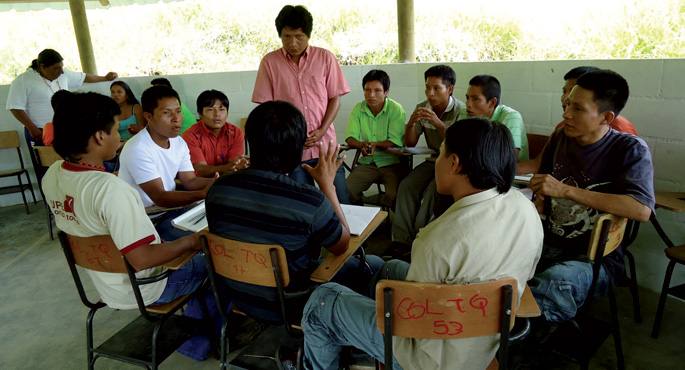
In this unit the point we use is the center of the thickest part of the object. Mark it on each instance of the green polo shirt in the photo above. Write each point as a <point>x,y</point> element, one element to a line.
<point>189,118</point>
<point>387,125</point>
<point>512,119</point>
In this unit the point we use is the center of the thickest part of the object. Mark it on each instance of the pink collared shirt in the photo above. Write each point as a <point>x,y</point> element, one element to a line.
<point>308,86</point>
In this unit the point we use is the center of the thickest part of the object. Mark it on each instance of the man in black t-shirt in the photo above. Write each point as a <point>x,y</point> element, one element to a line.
<point>587,168</point>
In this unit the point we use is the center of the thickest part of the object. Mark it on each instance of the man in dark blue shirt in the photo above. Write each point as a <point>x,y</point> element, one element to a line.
<point>587,168</point>
<point>262,204</point>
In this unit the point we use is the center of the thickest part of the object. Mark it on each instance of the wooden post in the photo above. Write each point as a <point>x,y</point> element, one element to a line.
<point>85,46</point>
<point>405,31</point>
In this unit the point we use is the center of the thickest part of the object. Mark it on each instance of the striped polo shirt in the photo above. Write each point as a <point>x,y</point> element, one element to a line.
<point>265,207</point>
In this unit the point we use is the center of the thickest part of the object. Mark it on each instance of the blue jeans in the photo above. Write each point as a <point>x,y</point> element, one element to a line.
<point>562,289</point>
<point>335,316</point>
<point>166,230</point>
<point>185,280</point>
<point>352,275</point>
<point>300,175</point>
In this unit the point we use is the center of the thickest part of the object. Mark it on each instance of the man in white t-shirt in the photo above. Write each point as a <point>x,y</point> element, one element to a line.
<point>87,201</point>
<point>490,231</point>
<point>153,159</point>
<point>29,96</point>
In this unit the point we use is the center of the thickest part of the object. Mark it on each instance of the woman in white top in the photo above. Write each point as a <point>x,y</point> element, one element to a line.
<point>30,93</point>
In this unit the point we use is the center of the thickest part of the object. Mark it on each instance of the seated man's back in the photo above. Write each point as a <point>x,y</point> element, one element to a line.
<point>491,231</point>
<point>263,205</point>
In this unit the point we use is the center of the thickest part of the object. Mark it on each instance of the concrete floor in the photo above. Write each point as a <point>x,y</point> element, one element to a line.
<point>43,321</point>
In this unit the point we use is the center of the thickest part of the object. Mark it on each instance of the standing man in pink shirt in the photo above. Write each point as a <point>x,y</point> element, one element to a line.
<point>309,78</point>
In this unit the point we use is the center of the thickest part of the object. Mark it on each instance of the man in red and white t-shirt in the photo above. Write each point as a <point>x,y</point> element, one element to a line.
<point>87,201</point>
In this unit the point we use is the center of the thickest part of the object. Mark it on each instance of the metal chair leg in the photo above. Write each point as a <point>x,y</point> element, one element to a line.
<point>89,339</point>
<point>223,365</point>
<point>637,315</point>
<point>616,329</point>
<point>662,299</point>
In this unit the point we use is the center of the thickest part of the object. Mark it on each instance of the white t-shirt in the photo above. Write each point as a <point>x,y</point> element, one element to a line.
<point>481,237</point>
<point>32,93</point>
<point>88,202</point>
<point>142,160</point>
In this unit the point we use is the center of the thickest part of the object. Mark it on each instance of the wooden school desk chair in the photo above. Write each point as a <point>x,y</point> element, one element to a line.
<point>10,140</point>
<point>492,313</point>
<point>152,336</point>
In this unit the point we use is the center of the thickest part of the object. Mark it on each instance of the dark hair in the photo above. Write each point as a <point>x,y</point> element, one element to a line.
<point>446,73</point>
<point>130,98</point>
<point>489,86</point>
<point>276,132</point>
<point>46,58</point>
<point>161,81</point>
<point>58,98</point>
<point>295,17</point>
<point>208,97</point>
<point>574,73</point>
<point>609,89</point>
<point>377,75</point>
<point>78,116</point>
<point>154,94</point>
<point>485,150</point>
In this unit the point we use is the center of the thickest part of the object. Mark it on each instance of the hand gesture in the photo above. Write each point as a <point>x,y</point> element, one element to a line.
<point>111,76</point>
<point>313,138</point>
<point>327,166</point>
<point>430,116</point>
<point>547,185</point>
<point>368,148</point>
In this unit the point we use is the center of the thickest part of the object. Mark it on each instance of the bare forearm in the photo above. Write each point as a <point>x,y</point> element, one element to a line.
<point>22,117</point>
<point>331,112</point>
<point>178,198</point>
<point>205,170</point>
<point>354,143</point>
<point>196,183</point>
<point>529,166</point>
<point>158,254</point>
<point>411,137</point>
<point>619,205</point>
<point>329,192</point>
<point>384,144</point>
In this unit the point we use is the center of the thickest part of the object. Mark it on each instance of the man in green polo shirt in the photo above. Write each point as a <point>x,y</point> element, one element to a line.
<point>376,124</point>
<point>483,100</point>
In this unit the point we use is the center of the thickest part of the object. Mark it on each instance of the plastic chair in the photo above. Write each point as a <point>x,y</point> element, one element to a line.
<point>150,338</point>
<point>10,140</point>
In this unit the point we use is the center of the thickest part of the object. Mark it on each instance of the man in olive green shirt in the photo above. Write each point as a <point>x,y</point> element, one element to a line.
<point>483,100</point>
<point>376,124</point>
<point>417,193</point>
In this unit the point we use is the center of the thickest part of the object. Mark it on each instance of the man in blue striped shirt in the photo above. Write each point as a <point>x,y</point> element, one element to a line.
<point>262,204</point>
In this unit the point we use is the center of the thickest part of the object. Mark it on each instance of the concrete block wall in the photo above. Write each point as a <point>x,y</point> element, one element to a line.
<point>656,106</point>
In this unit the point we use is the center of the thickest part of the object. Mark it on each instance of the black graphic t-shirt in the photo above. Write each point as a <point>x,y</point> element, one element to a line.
<point>617,164</point>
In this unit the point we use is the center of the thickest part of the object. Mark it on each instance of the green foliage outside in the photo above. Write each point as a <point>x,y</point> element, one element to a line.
<point>211,36</point>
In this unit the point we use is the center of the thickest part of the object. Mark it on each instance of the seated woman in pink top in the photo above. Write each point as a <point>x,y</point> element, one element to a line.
<point>215,144</point>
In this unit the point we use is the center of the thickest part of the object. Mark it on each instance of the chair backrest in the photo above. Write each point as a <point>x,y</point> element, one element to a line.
<point>9,139</point>
<point>610,228</point>
<point>536,143</point>
<point>247,262</point>
<point>443,311</point>
<point>46,155</point>
<point>97,253</point>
